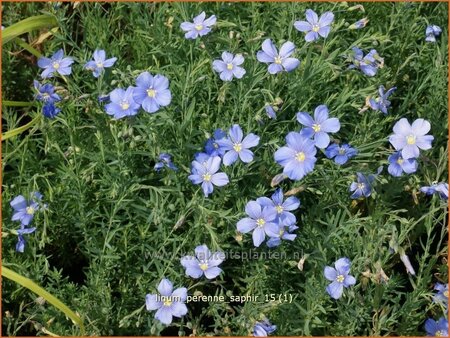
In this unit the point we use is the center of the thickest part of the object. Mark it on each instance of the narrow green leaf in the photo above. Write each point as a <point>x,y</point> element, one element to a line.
<point>27,25</point>
<point>29,284</point>
<point>17,131</point>
<point>28,47</point>
<point>17,103</point>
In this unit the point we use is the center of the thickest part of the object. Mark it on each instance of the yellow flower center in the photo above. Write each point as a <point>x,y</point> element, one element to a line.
<point>400,160</point>
<point>199,27</point>
<point>316,127</point>
<point>281,232</point>
<point>439,333</point>
<point>167,301</point>
<point>229,66</point>
<point>260,222</point>
<point>216,146</point>
<point>124,105</point>
<point>340,278</point>
<point>99,65</point>
<point>279,209</point>
<point>30,210</point>
<point>207,177</point>
<point>446,293</point>
<point>315,28</point>
<point>277,60</point>
<point>360,186</point>
<point>56,65</point>
<point>203,266</point>
<point>237,147</point>
<point>300,156</point>
<point>341,151</point>
<point>410,139</point>
<point>45,96</point>
<point>151,92</point>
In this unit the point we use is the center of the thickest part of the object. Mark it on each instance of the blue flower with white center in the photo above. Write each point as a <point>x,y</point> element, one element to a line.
<point>152,92</point>
<point>57,63</point>
<point>199,27</point>
<point>398,165</point>
<point>441,296</point>
<point>340,153</point>
<point>169,302</point>
<point>98,65</point>
<point>339,276</point>
<point>282,207</point>
<point>50,110</point>
<point>207,175</point>
<point>314,26</point>
<point>165,160</point>
<point>437,188</point>
<point>204,263</point>
<point>284,233</point>
<point>298,157</point>
<point>362,186</point>
<point>382,103</point>
<point>261,221</point>
<point>20,246</point>
<point>238,146</point>
<point>409,138</point>
<point>368,64</point>
<point>278,61</point>
<point>432,32</point>
<point>319,127</point>
<point>264,328</point>
<point>24,210</point>
<point>122,103</point>
<point>228,67</point>
<point>359,24</point>
<point>437,328</point>
<point>212,148</point>
<point>46,93</point>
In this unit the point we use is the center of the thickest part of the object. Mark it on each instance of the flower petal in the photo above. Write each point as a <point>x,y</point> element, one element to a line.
<point>302,26</point>
<point>335,290</point>
<point>246,225</point>
<point>330,273</point>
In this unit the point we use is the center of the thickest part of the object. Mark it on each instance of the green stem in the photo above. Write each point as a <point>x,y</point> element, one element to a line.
<point>17,131</point>
<point>17,103</point>
<point>27,47</point>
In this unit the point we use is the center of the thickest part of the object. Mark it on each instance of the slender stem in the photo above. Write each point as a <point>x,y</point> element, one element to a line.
<point>28,47</point>
<point>17,103</point>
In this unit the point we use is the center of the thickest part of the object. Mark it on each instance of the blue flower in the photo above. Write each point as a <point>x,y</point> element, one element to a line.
<point>57,63</point>
<point>264,328</point>
<point>212,148</point>
<point>229,67</point>
<point>122,103</point>
<point>432,32</point>
<point>261,221</point>
<point>46,92</point>
<point>282,208</point>
<point>49,110</point>
<point>278,61</point>
<point>199,27</point>
<point>270,111</point>
<point>339,276</point>
<point>362,186</point>
<point>168,303</point>
<point>314,26</point>
<point>238,146</point>
<point>152,92</point>
<point>207,175</point>
<point>204,263</point>
<point>368,64</point>
<point>398,165</point>
<point>437,328</point>
<point>202,158</point>
<point>440,188</point>
<point>98,65</point>
<point>341,153</point>
<point>284,232</point>
<point>165,161</point>
<point>359,24</point>
<point>319,127</point>
<point>20,246</point>
<point>382,103</point>
<point>298,157</point>
<point>24,210</point>
<point>442,295</point>
<point>409,138</point>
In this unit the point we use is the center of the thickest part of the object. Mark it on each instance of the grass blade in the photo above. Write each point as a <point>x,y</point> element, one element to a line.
<point>27,25</point>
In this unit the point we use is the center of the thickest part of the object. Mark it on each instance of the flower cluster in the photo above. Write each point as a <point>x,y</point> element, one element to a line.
<point>24,211</point>
<point>439,328</point>
<point>368,64</point>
